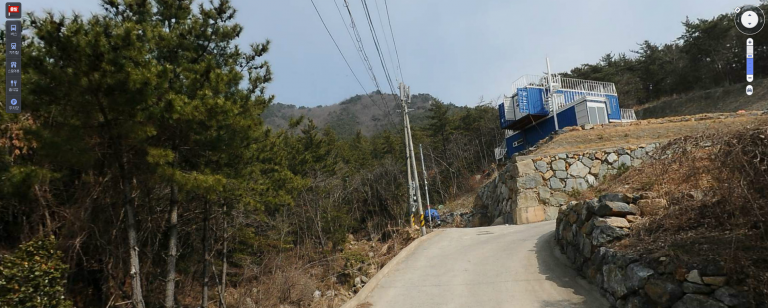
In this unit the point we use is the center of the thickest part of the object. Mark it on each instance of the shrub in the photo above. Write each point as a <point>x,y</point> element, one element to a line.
<point>33,276</point>
<point>623,168</point>
<point>715,184</point>
<point>575,194</point>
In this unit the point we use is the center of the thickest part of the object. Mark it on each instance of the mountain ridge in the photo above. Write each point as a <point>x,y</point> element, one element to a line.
<point>370,113</point>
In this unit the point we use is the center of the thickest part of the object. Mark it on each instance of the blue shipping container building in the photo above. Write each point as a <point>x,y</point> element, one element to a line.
<point>528,115</point>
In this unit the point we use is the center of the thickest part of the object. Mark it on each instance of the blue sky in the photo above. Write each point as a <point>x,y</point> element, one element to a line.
<point>457,51</point>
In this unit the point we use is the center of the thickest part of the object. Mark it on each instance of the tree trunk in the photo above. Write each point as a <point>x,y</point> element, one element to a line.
<point>445,142</point>
<point>173,234</point>
<point>137,297</point>
<point>223,290</point>
<point>437,176</point>
<point>206,252</point>
<point>318,225</point>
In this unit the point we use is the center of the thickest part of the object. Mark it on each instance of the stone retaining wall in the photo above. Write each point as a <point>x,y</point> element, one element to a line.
<point>585,228</point>
<point>531,189</point>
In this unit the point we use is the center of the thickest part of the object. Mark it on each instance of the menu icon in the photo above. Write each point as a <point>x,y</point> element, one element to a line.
<point>13,10</point>
<point>13,48</point>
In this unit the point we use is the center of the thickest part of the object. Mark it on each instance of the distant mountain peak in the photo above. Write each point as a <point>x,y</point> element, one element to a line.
<point>370,113</point>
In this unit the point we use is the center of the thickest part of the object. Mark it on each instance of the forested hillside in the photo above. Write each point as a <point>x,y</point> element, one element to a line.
<point>144,175</point>
<point>370,113</point>
<point>710,53</point>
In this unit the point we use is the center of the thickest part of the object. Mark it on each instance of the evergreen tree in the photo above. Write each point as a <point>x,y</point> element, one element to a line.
<point>358,152</point>
<point>439,126</point>
<point>130,93</point>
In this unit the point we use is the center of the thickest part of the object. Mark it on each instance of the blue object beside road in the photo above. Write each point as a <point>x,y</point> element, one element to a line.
<point>433,214</point>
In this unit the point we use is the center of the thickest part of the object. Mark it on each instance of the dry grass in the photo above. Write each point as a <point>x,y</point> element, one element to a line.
<point>725,99</point>
<point>466,202</point>
<point>646,131</point>
<point>717,188</point>
<point>291,279</point>
<point>460,204</point>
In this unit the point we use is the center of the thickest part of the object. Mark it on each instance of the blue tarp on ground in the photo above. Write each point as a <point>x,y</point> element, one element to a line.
<point>432,213</point>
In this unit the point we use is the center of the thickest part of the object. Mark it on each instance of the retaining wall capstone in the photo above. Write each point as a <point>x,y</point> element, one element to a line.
<point>583,233</point>
<point>532,188</point>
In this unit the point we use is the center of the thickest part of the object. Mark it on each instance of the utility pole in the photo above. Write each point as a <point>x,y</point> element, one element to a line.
<point>551,95</point>
<point>411,198</point>
<point>416,178</point>
<point>405,95</point>
<point>426,186</point>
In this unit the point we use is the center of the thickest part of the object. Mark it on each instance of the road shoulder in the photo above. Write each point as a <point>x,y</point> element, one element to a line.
<point>361,296</point>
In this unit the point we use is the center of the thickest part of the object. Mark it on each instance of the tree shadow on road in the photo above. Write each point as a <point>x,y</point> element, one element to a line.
<point>554,266</point>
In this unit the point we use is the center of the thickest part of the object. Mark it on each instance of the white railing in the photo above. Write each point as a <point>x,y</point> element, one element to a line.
<point>501,151</point>
<point>595,88</point>
<point>529,81</point>
<point>559,100</point>
<point>628,115</point>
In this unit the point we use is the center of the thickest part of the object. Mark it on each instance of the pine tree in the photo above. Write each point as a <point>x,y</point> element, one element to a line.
<point>439,126</point>
<point>358,152</point>
<point>154,93</point>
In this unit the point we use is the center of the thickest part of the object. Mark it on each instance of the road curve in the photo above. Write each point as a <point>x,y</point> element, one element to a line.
<point>501,266</point>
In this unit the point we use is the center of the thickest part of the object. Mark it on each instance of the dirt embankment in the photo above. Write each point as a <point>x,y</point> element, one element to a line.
<point>615,135</point>
<point>716,188</point>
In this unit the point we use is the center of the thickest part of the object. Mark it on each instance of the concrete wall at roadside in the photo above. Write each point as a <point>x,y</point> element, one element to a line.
<point>532,188</point>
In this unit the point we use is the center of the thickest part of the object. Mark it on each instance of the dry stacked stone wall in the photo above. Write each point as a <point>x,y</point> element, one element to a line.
<point>584,233</point>
<point>532,188</point>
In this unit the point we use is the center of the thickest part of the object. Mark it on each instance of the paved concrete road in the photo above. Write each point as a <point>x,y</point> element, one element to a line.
<point>502,266</point>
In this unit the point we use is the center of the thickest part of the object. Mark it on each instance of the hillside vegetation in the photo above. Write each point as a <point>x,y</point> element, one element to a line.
<point>727,99</point>
<point>370,113</point>
<point>717,209</point>
<point>708,54</point>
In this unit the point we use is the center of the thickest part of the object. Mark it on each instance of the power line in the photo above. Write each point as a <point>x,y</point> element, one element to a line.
<point>361,48</point>
<point>337,46</point>
<point>360,51</point>
<point>378,46</point>
<point>386,40</point>
<point>350,67</point>
<point>392,34</point>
